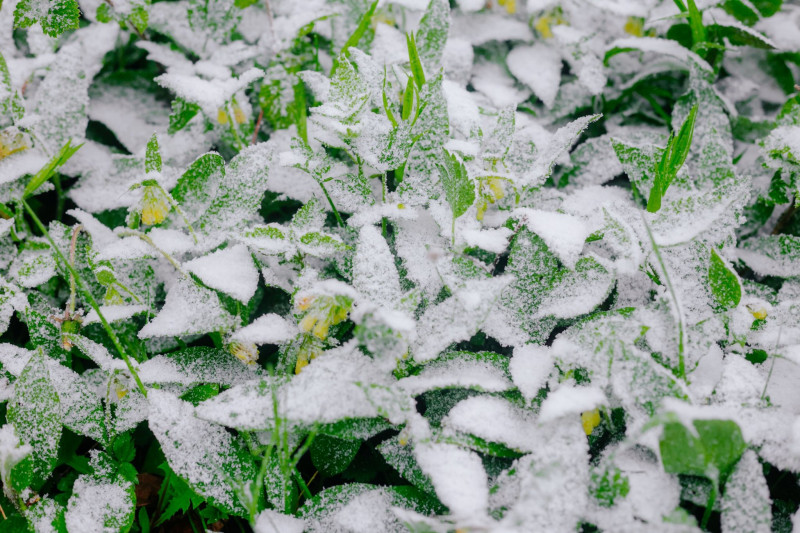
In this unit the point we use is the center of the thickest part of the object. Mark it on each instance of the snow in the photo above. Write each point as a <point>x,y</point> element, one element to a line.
<point>564,234</point>
<point>457,475</point>
<point>538,67</point>
<point>230,270</point>
<point>568,400</point>
<point>530,367</point>
<point>188,309</point>
<point>266,329</point>
<point>269,521</point>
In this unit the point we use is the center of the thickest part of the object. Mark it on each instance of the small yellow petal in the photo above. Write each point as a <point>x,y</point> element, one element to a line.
<point>238,115</point>
<point>542,25</point>
<point>635,26</point>
<point>308,322</point>
<point>590,420</point>
<point>222,116</point>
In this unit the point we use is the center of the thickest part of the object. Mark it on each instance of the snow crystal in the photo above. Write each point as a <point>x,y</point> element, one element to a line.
<point>266,329</point>
<point>538,67</point>
<point>567,400</point>
<point>493,420</point>
<point>456,373</point>
<point>188,309</point>
<point>564,235</point>
<point>269,521</point>
<point>530,367</point>
<point>230,270</point>
<point>457,475</point>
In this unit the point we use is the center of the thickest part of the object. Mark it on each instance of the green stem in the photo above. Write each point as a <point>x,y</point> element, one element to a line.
<point>681,361</point>
<point>333,207</point>
<point>712,499</point>
<point>89,298</point>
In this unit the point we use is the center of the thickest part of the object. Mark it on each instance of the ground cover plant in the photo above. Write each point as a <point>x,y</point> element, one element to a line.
<point>407,265</point>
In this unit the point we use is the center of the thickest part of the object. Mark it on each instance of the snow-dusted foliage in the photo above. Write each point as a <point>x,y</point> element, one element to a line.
<point>402,265</point>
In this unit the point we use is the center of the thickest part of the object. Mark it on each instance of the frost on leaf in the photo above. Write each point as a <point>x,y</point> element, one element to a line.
<point>102,501</point>
<point>746,504</point>
<point>213,462</point>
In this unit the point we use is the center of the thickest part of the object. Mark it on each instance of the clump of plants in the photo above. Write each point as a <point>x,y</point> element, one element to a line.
<point>404,265</point>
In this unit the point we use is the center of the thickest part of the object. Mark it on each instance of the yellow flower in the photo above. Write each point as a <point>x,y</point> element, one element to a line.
<point>308,322</point>
<point>11,142</point>
<point>496,186</point>
<point>482,207</point>
<point>635,26</point>
<point>590,420</point>
<point>238,114</point>
<point>322,312</point>
<point>155,205</point>
<point>245,352</point>
<point>222,116</point>
<point>759,313</point>
<point>511,5</point>
<point>544,23</point>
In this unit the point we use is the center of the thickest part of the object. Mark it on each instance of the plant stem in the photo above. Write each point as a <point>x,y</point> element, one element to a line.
<point>88,295</point>
<point>676,303</point>
<point>72,245</point>
<point>339,220</point>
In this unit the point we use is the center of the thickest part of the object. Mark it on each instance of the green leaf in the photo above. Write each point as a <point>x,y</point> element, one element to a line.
<point>104,500</point>
<point>432,34</point>
<point>11,104</point>
<point>213,462</point>
<point>35,412</point>
<point>711,450</point>
<point>696,24</point>
<point>408,99</point>
<point>178,497</point>
<point>672,160</point>
<point>139,17</point>
<point>182,113</point>
<point>195,188</point>
<point>49,169</point>
<point>459,189</point>
<point>363,24</point>
<point>417,72</point>
<point>103,13</point>
<point>724,283</point>
<point>152,157</point>
<point>55,16</point>
<point>332,455</point>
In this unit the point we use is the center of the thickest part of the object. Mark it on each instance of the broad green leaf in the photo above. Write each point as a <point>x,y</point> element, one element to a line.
<point>724,283</point>
<point>239,194</point>
<point>399,453</point>
<point>197,364</point>
<point>711,450</point>
<point>182,113</point>
<point>696,24</point>
<point>35,411</point>
<point>152,157</point>
<point>321,244</point>
<point>331,455</point>
<point>215,463</point>
<point>49,169</point>
<point>55,16</point>
<point>459,189</point>
<point>431,36</point>
<point>103,500</point>
<point>195,188</point>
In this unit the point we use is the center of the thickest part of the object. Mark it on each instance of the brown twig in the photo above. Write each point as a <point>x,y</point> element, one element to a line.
<point>3,512</point>
<point>258,125</point>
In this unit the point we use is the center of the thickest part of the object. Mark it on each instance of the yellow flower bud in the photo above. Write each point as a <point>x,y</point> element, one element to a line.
<point>245,352</point>
<point>759,313</point>
<point>510,5</point>
<point>308,322</point>
<point>304,303</point>
<point>238,114</point>
<point>482,207</point>
<point>321,329</point>
<point>590,420</point>
<point>11,142</point>
<point>496,186</point>
<point>222,116</point>
<point>155,206</point>
<point>635,26</point>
